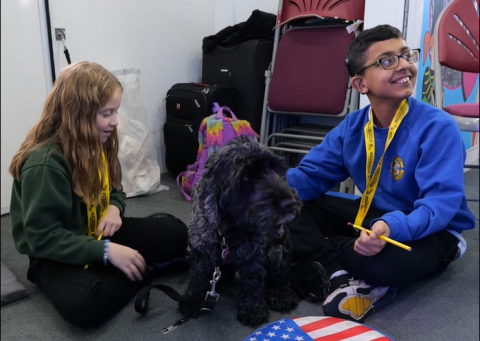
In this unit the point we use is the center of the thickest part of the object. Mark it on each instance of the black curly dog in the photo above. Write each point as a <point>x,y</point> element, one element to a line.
<point>244,202</point>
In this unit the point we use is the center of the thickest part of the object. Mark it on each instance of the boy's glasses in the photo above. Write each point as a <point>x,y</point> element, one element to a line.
<point>391,62</point>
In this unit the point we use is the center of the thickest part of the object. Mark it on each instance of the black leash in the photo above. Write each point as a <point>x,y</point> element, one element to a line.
<point>211,298</point>
<point>205,307</point>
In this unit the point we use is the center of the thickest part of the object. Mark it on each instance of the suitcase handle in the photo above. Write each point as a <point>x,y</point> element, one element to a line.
<point>199,84</point>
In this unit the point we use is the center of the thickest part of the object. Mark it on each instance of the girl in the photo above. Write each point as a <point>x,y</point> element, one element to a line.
<point>67,203</point>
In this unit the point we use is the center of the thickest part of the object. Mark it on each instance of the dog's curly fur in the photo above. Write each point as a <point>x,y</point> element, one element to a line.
<point>243,197</point>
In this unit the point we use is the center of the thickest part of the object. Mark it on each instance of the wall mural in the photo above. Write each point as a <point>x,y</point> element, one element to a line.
<point>458,87</point>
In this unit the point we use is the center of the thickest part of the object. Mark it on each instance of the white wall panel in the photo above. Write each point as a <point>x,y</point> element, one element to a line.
<point>24,85</point>
<point>161,38</point>
<point>381,12</point>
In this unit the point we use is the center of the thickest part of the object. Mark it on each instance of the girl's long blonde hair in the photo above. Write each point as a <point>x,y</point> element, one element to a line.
<point>69,119</point>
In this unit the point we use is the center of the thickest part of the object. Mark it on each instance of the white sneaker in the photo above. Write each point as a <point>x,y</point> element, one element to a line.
<point>355,302</point>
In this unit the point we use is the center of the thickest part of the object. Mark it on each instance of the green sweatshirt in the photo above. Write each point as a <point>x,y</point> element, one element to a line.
<point>48,219</point>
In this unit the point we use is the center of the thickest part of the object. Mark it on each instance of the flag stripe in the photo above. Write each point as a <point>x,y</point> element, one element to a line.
<point>348,334</point>
<point>316,323</point>
<point>383,338</point>
<point>310,319</point>
<point>371,335</point>
<point>333,329</point>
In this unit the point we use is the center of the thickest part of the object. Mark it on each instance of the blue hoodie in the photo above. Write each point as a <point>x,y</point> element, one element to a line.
<point>421,186</point>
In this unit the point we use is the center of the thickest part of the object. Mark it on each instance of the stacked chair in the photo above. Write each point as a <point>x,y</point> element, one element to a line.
<point>307,80</point>
<point>456,36</point>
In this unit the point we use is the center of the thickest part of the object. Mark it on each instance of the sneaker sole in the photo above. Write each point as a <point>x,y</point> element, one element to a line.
<point>355,307</point>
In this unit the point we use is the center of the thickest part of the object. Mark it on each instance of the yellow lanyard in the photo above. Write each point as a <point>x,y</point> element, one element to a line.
<point>371,183</point>
<point>92,209</point>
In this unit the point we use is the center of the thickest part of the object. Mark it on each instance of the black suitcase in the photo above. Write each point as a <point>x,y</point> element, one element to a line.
<point>242,67</point>
<point>187,104</point>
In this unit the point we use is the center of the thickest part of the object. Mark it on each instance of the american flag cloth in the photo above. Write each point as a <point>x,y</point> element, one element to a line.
<point>318,328</point>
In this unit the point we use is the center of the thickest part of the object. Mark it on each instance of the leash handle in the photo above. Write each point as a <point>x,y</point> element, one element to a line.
<point>141,301</point>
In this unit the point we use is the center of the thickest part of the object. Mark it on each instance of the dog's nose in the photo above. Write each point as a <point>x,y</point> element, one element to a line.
<point>287,204</point>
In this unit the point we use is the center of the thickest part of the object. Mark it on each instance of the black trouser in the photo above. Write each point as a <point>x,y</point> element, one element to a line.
<point>87,297</point>
<point>322,235</point>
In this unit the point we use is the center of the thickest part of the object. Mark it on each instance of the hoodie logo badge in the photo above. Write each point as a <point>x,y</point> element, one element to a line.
<point>396,168</point>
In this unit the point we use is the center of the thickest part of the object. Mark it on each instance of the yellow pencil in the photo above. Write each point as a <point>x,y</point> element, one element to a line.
<point>388,240</point>
<point>99,237</point>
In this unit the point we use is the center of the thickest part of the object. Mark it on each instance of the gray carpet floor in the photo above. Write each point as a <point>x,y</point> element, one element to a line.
<point>443,308</point>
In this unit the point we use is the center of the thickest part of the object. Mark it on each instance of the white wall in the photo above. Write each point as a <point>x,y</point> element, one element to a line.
<point>161,38</point>
<point>380,12</point>
<point>24,85</point>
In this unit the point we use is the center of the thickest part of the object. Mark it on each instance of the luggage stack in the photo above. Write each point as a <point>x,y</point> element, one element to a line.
<point>233,74</point>
<point>187,105</point>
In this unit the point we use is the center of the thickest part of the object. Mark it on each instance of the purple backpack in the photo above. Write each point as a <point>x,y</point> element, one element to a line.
<point>215,131</point>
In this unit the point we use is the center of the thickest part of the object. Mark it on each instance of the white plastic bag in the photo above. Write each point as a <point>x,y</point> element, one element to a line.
<point>140,169</point>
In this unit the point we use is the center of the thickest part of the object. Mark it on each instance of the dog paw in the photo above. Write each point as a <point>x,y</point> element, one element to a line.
<point>190,308</point>
<point>308,280</point>
<point>253,315</point>
<point>282,299</point>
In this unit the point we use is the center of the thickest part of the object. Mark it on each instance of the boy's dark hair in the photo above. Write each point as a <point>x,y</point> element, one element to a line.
<point>356,51</point>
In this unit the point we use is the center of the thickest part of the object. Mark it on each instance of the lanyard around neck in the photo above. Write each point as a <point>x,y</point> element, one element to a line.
<point>372,182</point>
<point>105,201</point>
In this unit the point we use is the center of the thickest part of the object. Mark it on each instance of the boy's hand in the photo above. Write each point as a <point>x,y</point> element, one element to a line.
<point>110,222</point>
<point>370,245</point>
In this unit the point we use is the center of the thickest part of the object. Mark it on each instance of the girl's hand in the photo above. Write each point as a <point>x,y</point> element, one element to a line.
<point>110,222</point>
<point>128,260</point>
<point>370,245</point>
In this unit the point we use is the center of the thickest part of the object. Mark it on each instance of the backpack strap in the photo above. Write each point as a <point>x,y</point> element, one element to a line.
<point>220,115</point>
<point>241,127</point>
<point>215,107</point>
<point>183,174</point>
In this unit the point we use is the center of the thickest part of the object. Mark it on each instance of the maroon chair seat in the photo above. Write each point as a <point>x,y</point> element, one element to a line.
<point>463,110</point>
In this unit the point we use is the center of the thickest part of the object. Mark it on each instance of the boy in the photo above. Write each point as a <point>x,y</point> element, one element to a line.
<point>412,182</point>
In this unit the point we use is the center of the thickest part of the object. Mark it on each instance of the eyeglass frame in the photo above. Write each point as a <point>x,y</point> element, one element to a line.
<point>395,55</point>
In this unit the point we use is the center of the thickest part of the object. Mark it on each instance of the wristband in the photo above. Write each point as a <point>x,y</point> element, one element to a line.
<point>105,252</point>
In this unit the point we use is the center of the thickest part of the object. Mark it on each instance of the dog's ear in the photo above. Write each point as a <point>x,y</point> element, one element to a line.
<point>278,164</point>
<point>249,165</point>
<point>207,191</point>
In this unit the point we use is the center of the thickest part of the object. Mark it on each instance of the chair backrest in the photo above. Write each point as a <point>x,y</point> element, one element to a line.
<point>309,75</point>
<point>457,36</point>
<point>343,9</point>
<point>456,41</point>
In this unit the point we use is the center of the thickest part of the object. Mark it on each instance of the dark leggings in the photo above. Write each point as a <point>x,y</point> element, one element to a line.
<point>322,234</point>
<point>87,297</point>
